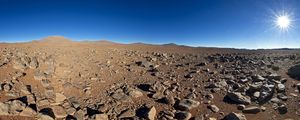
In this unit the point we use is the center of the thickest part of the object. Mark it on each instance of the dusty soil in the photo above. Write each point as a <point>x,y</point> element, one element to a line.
<point>89,80</point>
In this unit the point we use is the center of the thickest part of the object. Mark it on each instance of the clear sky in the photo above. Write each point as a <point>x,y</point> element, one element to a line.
<point>212,23</point>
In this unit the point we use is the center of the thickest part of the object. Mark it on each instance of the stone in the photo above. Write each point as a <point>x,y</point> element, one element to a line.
<point>182,115</point>
<point>280,87</point>
<point>4,109</point>
<point>60,98</point>
<point>74,102</point>
<point>34,63</point>
<point>119,95</point>
<point>101,117</point>
<point>16,106</point>
<point>19,64</point>
<point>209,96</point>
<point>80,114</point>
<point>39,75</point>
<point>45,82</point>
<point>135,93</point>
<point>59,111</point>
<point>239,98</point>
<point>144,64</point>
<point>28,112</point>
<point>214,108</point>
<point>241,107</point>
<point>129,113</point>
<point>235,116</point>
<point>298,86</point>
<point>258,78</point>
<point>256,94</point>
<point>4,61</point>
<point>44,102</point>
<point>42,116</point>
<point>151,113</point>
<point>252,110</point>
<point>266,92</point>
<point>71,111</point>
<point>294,72</point>
<point>187,104</point>
<point>7,87</point>
<point>274,76</point>
<point>282,109</point>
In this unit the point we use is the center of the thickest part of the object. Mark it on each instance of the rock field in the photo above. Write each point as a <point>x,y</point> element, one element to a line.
<point>55,78</point>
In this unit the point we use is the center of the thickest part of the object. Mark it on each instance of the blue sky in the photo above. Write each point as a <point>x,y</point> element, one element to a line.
<point>212,23</point>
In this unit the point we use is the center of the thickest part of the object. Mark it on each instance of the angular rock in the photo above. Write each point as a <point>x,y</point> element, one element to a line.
<point>59,111</point>
<point>235,116</point>
<point>60,98</point>
<point>266,92</point>
<point>239,98</point>
<point>151,113</point>
<point>182,115</point>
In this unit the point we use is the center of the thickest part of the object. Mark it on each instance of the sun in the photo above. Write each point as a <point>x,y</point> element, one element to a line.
<point>283,22</point>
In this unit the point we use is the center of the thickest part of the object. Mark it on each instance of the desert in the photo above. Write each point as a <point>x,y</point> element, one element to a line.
<point>57,78</point>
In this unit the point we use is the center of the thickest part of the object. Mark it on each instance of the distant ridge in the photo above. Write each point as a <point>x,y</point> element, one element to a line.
<point>55,39</point>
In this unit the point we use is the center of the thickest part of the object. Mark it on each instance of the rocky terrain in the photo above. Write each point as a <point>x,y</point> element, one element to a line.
<point>55,78</point>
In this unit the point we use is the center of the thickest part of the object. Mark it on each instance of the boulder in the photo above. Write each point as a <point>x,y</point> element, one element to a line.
<point>294,72</point>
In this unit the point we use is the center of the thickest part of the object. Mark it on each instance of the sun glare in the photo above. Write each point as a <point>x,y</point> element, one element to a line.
<point>283,22</point>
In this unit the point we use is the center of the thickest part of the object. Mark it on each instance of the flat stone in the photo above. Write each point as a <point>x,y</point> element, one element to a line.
<point>28,112</point>
<point>101,117</point>
<point>59,111</point>
<point>127,114</point>
<point>187,104</point>
<point>252,110</point>
<point>60,98</point>
<point>239,98</point>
